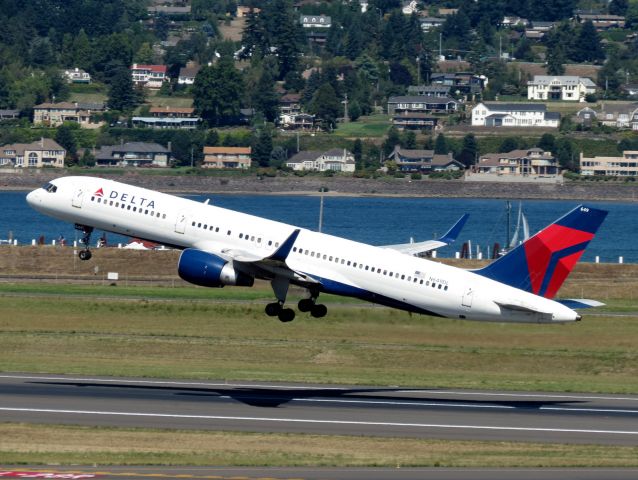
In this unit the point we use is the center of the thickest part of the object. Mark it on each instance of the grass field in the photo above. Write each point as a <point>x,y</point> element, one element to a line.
<point>365,127</point>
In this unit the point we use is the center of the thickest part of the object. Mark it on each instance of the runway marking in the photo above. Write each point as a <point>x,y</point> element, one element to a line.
<point>316,421</point>
<point>339,389</point>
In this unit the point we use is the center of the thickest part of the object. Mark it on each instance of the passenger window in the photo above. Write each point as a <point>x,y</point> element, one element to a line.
<point>276,244</point>
<point>348,262</point>
<point>163,216</point>
<point>330,258</point>
<point>229,232</point>
<point>241,235</point>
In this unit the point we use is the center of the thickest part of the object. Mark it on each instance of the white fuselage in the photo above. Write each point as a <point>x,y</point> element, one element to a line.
<point>341,266</point>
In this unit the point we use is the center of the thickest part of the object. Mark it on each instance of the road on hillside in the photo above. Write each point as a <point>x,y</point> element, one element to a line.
<point>320,409</point>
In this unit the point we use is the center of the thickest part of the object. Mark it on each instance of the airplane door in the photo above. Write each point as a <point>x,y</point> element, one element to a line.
<point>77,199</point>
<point>466,301</point>
<point>180,223</point>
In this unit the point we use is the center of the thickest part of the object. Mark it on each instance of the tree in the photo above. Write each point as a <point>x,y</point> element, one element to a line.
<point>278,157</point>
<point>408,140</point>
<point>65,137</point>
<point>357,152</point>
<point>122,94</point>
<point>566,154</point>
<point>440,145</point>
<point>547,143</point>
<point>469,150</point>
<point>217,92</point>
<point>265,98</point>
<point>588,47</point>
<point>508,144</point>
<point>392,141</point>
<point>618,7</point>
<point>262,148</point>
<point>556,60</point>
<point>326,106</point>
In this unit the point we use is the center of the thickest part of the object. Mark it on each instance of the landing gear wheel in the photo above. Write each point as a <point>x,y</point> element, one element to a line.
<point>287,315</point>
<point>305,304</point>
<point>319,311</point>
<point>85,254</point>
<point>273,309</point>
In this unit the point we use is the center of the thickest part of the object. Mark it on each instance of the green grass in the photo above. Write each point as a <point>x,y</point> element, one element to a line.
<point>372,126</point>
<point>73,445</point>
<point>224,334</point>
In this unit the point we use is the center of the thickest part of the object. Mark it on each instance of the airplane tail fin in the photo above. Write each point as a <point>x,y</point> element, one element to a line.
<point>542,263</point>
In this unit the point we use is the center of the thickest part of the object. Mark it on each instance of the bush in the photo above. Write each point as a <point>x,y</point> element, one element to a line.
<point>416,176</point>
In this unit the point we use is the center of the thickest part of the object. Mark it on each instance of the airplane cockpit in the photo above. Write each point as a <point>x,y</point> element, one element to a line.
<point>49,187</point>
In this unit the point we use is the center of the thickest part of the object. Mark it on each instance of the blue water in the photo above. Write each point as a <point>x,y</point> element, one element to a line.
<point>377,221</point>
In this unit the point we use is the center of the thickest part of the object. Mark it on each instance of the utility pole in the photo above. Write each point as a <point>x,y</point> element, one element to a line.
<point>345,109</point>
<point>418,70</point>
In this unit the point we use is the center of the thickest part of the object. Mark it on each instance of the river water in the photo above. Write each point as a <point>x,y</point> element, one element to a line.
<point>374,220</point>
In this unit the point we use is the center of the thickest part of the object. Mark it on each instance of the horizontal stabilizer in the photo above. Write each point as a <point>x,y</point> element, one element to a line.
<point>421,247</point>
<point>574,303</point>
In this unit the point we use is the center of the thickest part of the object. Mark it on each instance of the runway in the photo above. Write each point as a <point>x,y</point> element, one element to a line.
<point>318,409</point>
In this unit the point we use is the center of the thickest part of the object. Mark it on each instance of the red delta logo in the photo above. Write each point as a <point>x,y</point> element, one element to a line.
<point>99,193</point>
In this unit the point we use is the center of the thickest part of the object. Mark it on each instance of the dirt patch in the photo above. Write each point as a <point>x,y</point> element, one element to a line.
<point>232,30</point>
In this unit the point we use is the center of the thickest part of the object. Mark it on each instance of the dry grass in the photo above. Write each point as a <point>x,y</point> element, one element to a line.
<point>89,445</point>
<point>233,30</point>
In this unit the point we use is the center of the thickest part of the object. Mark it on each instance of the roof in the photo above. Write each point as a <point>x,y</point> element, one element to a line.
<point>290,98</point>
<point>189,71</point>
<point>420,99</point>
<point>564,79</point>
<point>428,88</point>
<point>152,68</point>
<point>305,156</point>
<point>38,145</point>
<point>440,160</point>
<point>336,152</point>
<point>167,109</point>
<point>515,107</point>
<point>413,153</point>
<point>552,116</point>
<point>227,150</point>
<point>135,147</point>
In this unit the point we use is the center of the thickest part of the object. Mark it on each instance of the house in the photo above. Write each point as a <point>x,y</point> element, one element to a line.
<point>497,114</point>
<point>630,89</point>
<point>530,162</point>
<point>421,104</point>
<point>42,153</point>
<point>169,117</point>
<point>625,166</point>
<point>297,121</point>
<point>537,30</point>
<point>423,161</point>
<point>315,21</point>
<point>149,76</point>
<point>9,114</point>
<point>76,75</point>
<point>429,23</point>
<point>429,90</point>
<point>133,154</point>
<point>414,121</point>
<point>169,10</point>
<point>55,114</point>
<point>188,73</point>
<point>565,87</point>
<point>409,7</point>
<point>244,10</point>
<point>336,160</point>
<point>586,116</point>
<point>602,21</point>
<point>460,83</point>
<point>619,115</point>
<point>227,157</point>
<point>290,103</point>
<point>509,22</point>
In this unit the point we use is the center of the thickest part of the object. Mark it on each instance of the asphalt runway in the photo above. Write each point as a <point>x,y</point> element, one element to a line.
<point>319,409</point>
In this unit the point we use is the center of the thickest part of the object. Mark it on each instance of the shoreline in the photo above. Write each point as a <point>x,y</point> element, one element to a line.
<point>342,186</point>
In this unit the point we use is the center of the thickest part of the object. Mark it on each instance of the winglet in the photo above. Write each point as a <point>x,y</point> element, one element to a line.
<point>284,249</point>
<point>449,236</point>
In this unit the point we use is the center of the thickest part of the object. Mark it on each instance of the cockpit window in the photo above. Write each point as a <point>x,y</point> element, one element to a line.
<point>49,187</point>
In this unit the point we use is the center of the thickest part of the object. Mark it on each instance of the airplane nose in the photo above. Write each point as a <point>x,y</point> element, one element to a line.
<point>33,198</point>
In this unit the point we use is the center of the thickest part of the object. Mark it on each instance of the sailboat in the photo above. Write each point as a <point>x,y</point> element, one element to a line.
<point>521,223</point>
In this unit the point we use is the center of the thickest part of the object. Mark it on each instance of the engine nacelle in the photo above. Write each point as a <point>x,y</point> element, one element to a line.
<point>208,270</point>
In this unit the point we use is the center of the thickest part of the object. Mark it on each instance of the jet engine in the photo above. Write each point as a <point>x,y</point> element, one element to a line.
<point>208,270</point>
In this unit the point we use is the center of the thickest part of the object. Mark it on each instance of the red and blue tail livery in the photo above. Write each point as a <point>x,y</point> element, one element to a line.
<point>541,264</point>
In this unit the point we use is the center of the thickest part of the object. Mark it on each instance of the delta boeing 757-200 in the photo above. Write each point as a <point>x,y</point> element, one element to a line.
<point>224,247</point>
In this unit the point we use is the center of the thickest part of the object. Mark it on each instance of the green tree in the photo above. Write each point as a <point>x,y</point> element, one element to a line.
<point>556,60</point>
<point>408,140</point>
<point>122,94</point>
<point>508,144</point>
<point>217,92</point>
<point>326,106</point>
<point>357,152</point>
<point>618,7</point>
<point>566,154</point>
<point>82,53</point>
<point>469,151</point>
<point>547,142</point>
<point>65,137</point>
<point>441,146</point>
<point>265,98</point>
<point>392,141</point>
<point>262,147</point>
<point>588,47</point>
<point>144,54</point>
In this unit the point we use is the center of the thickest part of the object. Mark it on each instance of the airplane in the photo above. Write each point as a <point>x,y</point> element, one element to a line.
<point>224,247</point>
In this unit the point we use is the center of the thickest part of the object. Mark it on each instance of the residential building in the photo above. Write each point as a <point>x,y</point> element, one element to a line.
<point>586,116</point>
<point>134,154</point>
<point>149,76</point>
<point>533,162</point>
<point>315,21</point>
<point>227,157</point>
<point>188,73</point>
<point>409,7</point>
<point>42,153</point>
<point>497,114</point>
<point>602,21</point>
<point>460,83</point>
<point>415,121</point>
<point>9,114</point>
<point>297,121</point>
<point>625,166</point>
<point>423,161</point>
<point>169,117</point>
<point>336,159</point>
<point>537,30</point>
<point>421,104</point>
<point>244,10</point>
<point>429,90</point>
<point>169,10</point>
<point>290,103</point>
<point>55,114</point>
<point>566,87</point>
<point>77,75</point>
<point>619,115</point>
<point>428,23</point>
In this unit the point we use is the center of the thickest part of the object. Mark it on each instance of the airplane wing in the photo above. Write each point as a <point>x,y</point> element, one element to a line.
<point>428,245</point>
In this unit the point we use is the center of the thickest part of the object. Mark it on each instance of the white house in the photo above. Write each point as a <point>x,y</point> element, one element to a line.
<point>149,76</point>
<point>497,114</point>
<point>625,166</point>
<point>566,87</point>
<point>336,159</point>
<point>77,75</point>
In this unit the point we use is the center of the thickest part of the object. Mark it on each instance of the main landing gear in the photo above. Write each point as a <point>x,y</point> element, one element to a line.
<point>276,309</point>
<point>85,253</point>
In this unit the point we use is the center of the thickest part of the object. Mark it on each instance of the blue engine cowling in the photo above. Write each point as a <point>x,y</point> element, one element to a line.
<point>208,270</point>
